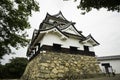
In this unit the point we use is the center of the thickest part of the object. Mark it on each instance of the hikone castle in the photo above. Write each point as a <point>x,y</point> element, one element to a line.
<point>57,49</point>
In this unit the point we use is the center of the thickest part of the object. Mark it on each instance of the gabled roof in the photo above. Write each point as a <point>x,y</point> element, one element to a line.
<point>60,15</point>
<point>90,39</point>
<point>90,36</point>
<point>52,28</point>
<point>74,31</point>
<point>57,19</point>
<point>73,36</point>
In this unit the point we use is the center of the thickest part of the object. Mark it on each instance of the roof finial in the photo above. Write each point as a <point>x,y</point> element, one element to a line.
<point>60,12</point>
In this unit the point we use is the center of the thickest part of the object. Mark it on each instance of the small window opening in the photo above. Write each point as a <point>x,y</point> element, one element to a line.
<point>56,47</point>
<point>86,48</point>
<point>73,49</point>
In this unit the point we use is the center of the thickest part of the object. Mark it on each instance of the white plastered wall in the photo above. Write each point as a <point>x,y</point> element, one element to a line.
<point>114,63</point>
<point>52,37</point>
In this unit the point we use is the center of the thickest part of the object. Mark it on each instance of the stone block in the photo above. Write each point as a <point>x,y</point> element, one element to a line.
<point>60,75</point>
<point>52,65</point>
<point>44,64</point>
<point>61,70</point>
<point>45,71</point>
<point>55,70</point>
<point>66,64</point>
<point>52,75</point>
<point>42,76</point>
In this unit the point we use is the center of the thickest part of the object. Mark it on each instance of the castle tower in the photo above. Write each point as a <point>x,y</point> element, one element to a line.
<point>58,48</point>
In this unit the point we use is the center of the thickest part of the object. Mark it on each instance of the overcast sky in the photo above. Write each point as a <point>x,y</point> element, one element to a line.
<point>103,25</point>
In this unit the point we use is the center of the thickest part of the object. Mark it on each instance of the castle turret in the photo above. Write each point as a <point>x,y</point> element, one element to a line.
<point>58,48</point>
<point>57,32</point>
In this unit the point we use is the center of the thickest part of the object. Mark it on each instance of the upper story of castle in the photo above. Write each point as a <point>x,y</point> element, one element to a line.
<point>58,34</point>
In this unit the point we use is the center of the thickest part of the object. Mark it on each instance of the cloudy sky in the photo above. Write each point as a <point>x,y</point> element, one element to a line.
<point>103,25</point>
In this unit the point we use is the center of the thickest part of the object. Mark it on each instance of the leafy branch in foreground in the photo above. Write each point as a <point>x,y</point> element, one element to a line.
<point>13,23</point>
<point>88,5</point>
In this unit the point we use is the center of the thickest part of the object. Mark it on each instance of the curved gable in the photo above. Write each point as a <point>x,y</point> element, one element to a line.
<point>72,30</point>
<point>91,40</point>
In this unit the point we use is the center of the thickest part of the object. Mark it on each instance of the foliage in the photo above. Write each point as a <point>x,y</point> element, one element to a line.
<point>110,5</point>
<point>14,69</point>
<point>13,22</point>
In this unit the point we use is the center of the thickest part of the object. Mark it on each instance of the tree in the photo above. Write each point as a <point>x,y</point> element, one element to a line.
<point>14,69</point>
<point>13,23</point>
<point>1,70</point>
<point>88,5</point>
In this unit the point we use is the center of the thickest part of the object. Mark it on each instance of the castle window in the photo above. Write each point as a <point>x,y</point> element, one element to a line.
<point>73,49</point>
<point>86,48</point>
<point>56,47</point>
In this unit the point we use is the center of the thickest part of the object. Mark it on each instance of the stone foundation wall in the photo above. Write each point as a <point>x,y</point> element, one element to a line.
<point>54,66</point>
